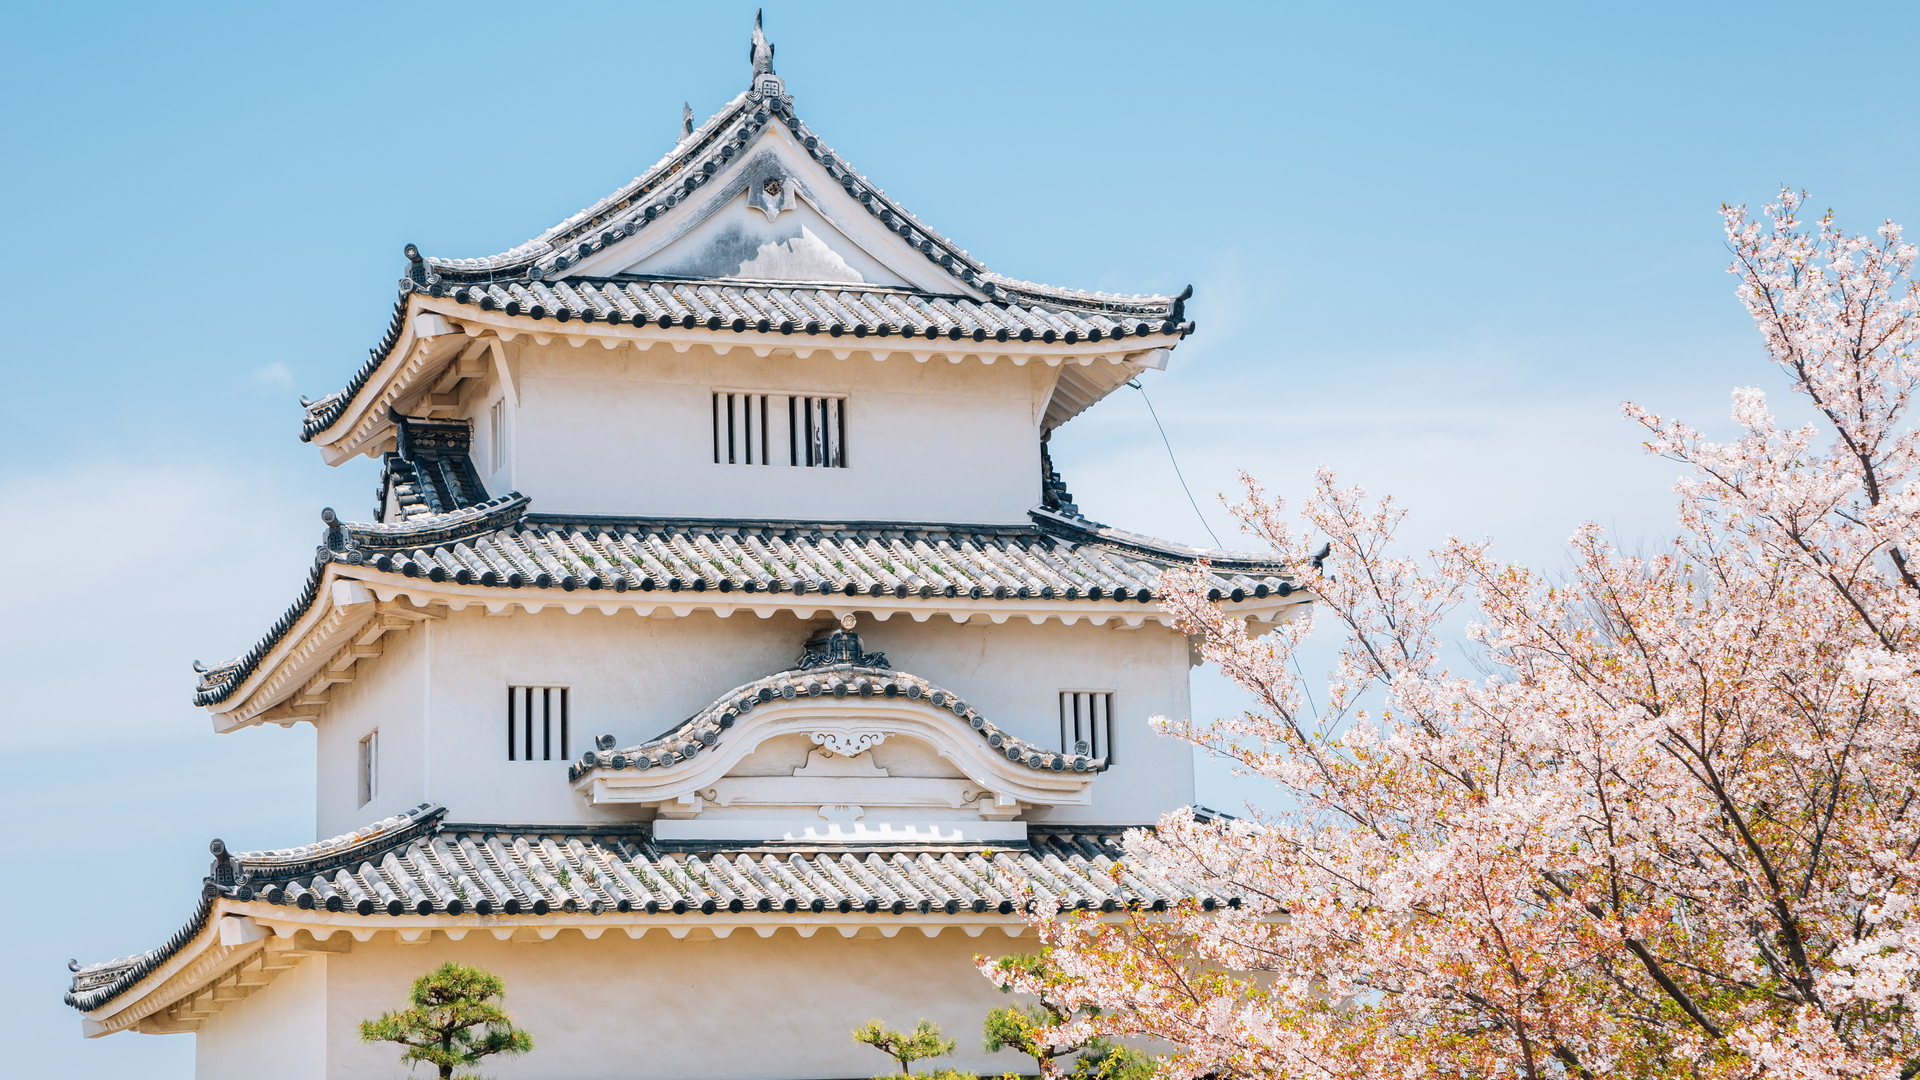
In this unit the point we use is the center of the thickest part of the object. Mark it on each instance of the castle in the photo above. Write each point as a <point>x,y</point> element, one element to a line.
<point>722,647</point>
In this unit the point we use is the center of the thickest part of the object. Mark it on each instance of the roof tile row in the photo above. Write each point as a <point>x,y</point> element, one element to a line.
<point>789,309</point>
<point>415,864</point>
<point>496,544</point>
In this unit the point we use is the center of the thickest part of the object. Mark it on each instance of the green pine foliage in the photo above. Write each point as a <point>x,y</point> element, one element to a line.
<point>453,1022</point>
<point>1014,1028</point>
<point>1019,1027</point>
<point>1102,1060</point>
<point>924,1041</point>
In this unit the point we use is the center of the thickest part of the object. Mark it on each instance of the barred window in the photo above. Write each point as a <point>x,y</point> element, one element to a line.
<point>537,723</point>
<point>779,429</point>
<point>1086,723</point>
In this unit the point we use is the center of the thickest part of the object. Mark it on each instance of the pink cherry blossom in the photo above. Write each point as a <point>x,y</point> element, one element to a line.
<point>1673,833</point>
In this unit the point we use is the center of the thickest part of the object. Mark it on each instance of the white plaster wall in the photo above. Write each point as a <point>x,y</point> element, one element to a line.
<point>739,1007</point>
<point>1014,672</point>
<point>626,432</point>
<point>635,677</point>
<point>388,692</point>
<point>280,1030</point>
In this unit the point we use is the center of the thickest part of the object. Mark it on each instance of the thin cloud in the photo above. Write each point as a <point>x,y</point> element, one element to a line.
<point>275,376</point>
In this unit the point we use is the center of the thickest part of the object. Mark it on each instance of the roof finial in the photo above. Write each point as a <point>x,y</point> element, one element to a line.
<point>761,52</point>
<point>764,84</point>
<point>686,119</point>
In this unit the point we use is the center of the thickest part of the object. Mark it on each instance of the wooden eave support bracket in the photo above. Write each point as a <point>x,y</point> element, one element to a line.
<point>461,375</point>
<point>256,970</point>
<point>365,644</point>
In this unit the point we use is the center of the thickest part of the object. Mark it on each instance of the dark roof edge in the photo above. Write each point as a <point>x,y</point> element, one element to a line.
<point>355,847</point>
<point>1080,530</point>
<point>322,414</point>
<point>436,529</point>
<point>141,966</point>
<point>218,683</point>
<point>343,850</point>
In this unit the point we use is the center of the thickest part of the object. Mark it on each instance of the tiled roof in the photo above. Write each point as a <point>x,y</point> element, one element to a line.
<point>531,278</point>
<point>498,545</point>
<point>835,310</point>
<point>708,727</point>
<point>416,864</point>
<point>859,311</point>
<point>1049,559</point>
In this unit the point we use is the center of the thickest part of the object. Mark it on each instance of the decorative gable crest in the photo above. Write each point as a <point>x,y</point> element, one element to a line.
<point>841,646</point>
<point>770,186</point>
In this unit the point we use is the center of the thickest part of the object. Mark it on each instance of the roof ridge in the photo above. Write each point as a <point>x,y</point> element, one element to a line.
<point>345,848</point>
<point>1068,527</point>
<point>495,513</point>
<point>817,525</point>
<point>601,211</point>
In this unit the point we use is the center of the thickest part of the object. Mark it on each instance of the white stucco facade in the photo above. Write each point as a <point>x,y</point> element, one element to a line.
<point>436,699</point>
<point>597,431</point>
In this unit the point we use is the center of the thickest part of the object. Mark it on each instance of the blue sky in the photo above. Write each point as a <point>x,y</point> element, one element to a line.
<point>1433,246</point>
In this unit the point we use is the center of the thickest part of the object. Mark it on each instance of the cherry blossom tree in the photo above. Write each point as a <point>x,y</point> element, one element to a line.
<point>1671,832</point>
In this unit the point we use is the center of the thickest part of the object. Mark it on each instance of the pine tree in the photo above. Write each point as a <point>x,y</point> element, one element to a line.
<point>923,1041</point>
<point>453,1022</point>
<point>1034,1030</point>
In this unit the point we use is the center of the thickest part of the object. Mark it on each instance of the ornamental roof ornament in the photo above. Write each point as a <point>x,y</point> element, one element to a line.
<point>841,646</point>
<point>765,83</point>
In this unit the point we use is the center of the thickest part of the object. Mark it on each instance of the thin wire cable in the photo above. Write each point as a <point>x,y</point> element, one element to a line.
<point>1168,443</point>
<point>1304,688</point>
<point>1135,383</point>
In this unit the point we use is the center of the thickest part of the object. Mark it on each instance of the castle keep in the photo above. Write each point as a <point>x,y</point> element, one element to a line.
<point>722,644</point>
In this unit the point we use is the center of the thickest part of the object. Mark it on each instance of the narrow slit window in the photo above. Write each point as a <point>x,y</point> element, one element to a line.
<point>1086,724</point>
<point>808,431</point>
<point>369,766</point>
<point>538,723</point>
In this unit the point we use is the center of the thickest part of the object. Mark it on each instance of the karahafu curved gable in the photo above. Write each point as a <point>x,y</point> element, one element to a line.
<point>844,709</point>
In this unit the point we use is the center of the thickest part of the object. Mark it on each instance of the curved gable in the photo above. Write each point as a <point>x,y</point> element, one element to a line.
<point>821,730</point>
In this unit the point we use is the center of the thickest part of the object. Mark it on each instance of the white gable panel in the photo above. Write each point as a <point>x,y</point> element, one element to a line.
<point>807,214</point>
<point>738,241</point>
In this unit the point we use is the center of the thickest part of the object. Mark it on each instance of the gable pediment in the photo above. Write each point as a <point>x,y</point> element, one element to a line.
<point>739,241</point>
<point>772,213</point>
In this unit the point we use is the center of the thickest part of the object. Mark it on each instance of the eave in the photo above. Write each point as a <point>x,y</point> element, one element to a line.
<point>361,603</point>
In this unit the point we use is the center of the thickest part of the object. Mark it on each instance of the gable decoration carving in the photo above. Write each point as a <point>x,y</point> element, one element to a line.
<point>848,742</point>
